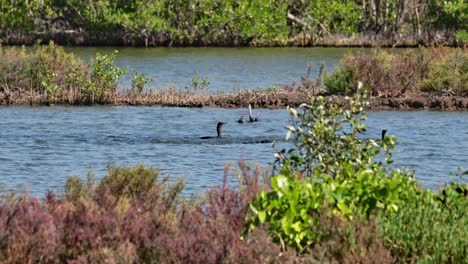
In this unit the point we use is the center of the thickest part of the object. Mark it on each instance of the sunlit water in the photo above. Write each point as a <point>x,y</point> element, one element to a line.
<point>40,147</point>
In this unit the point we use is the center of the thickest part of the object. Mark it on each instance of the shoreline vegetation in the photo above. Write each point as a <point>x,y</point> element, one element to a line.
<point>435,78</point>
<point>322,203</point>
<point>368,23</point>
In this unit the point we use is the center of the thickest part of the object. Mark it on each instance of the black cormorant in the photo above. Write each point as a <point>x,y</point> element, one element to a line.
<point>218,130</point>
<point>383,133</point>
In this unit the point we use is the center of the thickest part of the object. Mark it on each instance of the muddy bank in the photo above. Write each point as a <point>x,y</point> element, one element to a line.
<point>164,39</point>
<point>279,98</point>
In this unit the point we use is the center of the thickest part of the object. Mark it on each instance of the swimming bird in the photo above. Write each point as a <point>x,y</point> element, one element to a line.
<point>218,130</point>
<point>241,120</point>
<point>251,118</point>
<point>383,133</point>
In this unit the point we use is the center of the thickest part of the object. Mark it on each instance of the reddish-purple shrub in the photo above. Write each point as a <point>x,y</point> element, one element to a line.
<point>93,223</point>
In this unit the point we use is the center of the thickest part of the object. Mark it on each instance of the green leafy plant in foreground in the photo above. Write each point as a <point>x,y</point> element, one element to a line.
<point>330,167</point>
<point>430,228</point>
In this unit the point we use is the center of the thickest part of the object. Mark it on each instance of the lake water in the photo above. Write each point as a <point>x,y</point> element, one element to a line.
<point>227,69</point>
<point>41,146</point>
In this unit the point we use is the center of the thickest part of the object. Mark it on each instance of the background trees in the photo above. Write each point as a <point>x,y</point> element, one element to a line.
<point>240,21</point>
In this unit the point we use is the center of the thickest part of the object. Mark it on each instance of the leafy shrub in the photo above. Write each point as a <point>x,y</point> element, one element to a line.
<point>41,70</point>
<point>198,84</point>
<point>139,81</point>
<point>430,228</point>
<point>340,82</point>
<point>103,77</point>
<point>396,73</point>
<point>448,75</point>
<point>328,168</point>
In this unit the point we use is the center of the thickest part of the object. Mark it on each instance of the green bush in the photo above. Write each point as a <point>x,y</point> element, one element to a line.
<point>330,169</point>
<point>340,82</point>
<point>103,77</point>
<point>41,69</point>
<point>429,228</point>
<point>448,75</point>
<point>392,74</point>
<point>139,81</point>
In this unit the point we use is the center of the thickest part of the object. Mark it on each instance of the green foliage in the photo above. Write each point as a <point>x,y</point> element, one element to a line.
<point>443,71</point>
<point>429,228</point>
<point>448,75</point>
<point>130,182</point>
<point>44,69</point>
<point>122,185</point>
<point>462,35</point>
<point>103,76</point>
<point>322,141</point>
<point>289,210</point>
<point>198,84</point>
<point>139,80</point>
<point>230,21</point>
<point>450,13</point>
<point>340,82</point>
<point>329,169</point>
<point>334,16</point>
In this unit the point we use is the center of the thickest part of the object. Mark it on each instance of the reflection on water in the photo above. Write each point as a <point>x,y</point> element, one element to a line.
<point>40,147</point>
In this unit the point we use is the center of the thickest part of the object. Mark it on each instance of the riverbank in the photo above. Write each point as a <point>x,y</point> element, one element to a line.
<point>435,79</point>
<point>121,39</point>
<point>279,98</point>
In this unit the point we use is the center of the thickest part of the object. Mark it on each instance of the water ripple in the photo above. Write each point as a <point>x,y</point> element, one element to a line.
<point>62,141</point>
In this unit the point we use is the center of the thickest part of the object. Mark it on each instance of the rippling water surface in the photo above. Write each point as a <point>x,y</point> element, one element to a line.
<point>40,147</point>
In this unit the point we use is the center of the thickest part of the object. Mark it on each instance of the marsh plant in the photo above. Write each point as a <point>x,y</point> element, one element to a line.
<point>199,84</point>
<point>139,80</point>
<point>393,74</point>
<point>102,80</point>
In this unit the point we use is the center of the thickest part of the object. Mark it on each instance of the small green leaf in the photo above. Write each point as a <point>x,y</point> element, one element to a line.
<point>262,216</point>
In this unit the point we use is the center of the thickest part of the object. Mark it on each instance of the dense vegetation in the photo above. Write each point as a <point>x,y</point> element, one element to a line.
<point>48,75</point>
<point>393,74</point>
<point>234,22</point>
<point>330,200</point>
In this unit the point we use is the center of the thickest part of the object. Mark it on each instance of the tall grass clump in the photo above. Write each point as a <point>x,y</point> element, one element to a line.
<point>393,74</point>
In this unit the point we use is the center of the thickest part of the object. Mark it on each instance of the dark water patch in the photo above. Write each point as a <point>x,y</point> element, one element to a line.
<point>219,141</point>
<point>40,142</point>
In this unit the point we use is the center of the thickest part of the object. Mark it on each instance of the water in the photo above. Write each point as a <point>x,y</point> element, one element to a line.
<point>40,147</point>
<point>227,69</point>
